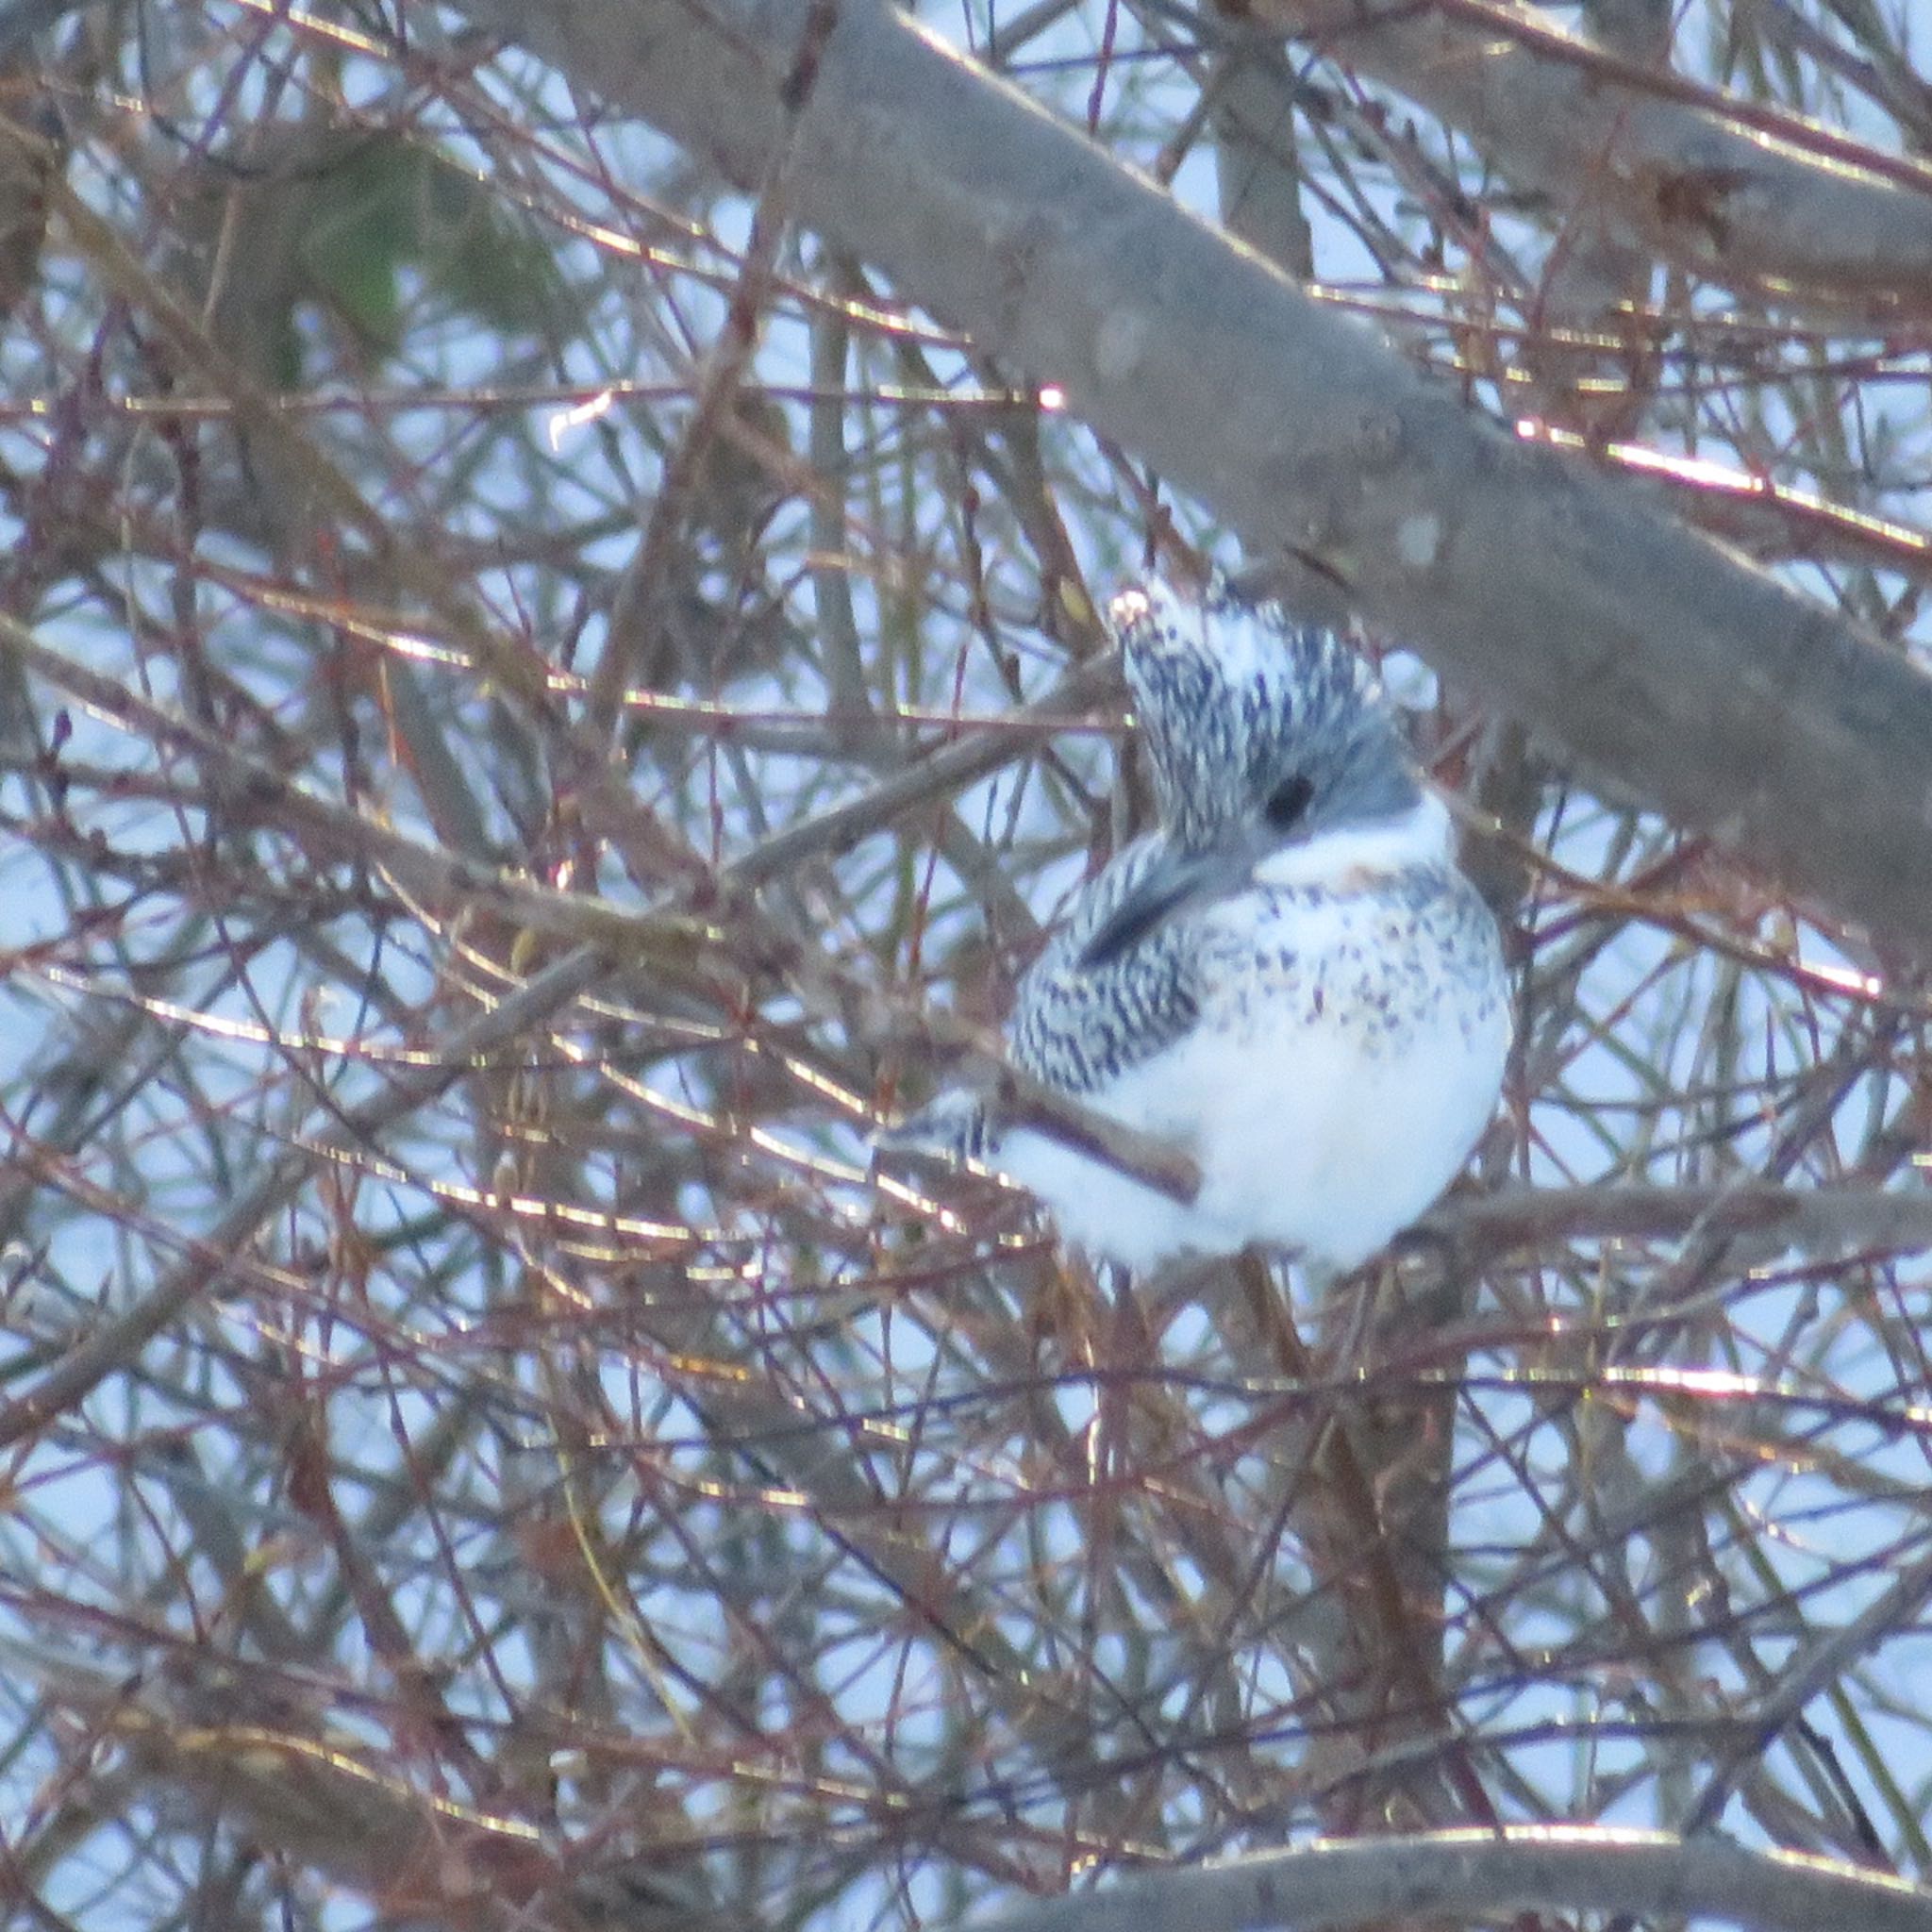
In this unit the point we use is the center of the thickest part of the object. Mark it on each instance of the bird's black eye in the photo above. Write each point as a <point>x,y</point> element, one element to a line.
<point>1287,803</point>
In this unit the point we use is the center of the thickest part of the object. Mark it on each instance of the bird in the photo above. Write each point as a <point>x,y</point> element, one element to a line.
<point>1288,977</point>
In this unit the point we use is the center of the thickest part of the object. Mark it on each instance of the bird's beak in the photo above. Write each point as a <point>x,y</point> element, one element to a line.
<point>1179,882</point>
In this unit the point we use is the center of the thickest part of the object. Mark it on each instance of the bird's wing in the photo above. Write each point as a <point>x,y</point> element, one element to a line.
<point>1165,891</point>
<point>1077,1024</point>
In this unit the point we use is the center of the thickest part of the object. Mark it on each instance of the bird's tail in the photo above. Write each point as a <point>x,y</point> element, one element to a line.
<point>950,1126</point>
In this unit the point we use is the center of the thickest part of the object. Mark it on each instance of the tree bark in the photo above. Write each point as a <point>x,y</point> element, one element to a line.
<point>1668,666</point>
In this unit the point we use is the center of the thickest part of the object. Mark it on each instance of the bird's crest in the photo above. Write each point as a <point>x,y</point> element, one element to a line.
<point>1236,702</point>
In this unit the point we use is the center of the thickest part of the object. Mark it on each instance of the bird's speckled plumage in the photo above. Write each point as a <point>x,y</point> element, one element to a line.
<point>1076,1028</point>
<point>1315,1008</point>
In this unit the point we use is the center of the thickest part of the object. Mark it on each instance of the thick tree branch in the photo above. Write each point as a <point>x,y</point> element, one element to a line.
<point>1748,196</point>
<point>1660,659</point>
<point>1812,1221</point>
<point>1488,1875</point>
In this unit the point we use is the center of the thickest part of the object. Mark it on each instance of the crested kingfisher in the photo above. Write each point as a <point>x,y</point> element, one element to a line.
<point>1288,977</point>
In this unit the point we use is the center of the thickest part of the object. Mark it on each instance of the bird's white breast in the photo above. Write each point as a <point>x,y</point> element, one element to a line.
<point>1348,1054</point>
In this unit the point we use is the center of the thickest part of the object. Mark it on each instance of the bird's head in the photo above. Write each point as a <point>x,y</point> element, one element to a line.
<point>1277,759</point>
<point>1249,717</point>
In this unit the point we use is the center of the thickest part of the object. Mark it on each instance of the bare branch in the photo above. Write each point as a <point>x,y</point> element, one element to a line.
<point>1463,1874</point>
<point>524,1469</point>
<point>1658,658</point>
<point>1730,189</point>
<point>1821,1221</point>
<point>115,1345</point>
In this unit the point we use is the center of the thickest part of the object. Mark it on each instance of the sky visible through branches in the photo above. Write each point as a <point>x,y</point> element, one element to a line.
<point>543,697</point>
